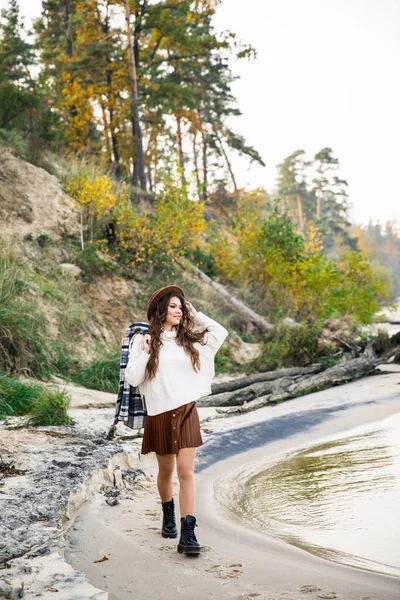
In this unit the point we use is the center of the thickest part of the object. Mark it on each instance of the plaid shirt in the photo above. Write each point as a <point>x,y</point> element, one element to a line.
<point>130,407</point>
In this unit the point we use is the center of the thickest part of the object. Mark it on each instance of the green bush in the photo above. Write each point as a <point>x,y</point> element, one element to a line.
<point>327,361</point>
<point>15,141</point>
<point>91,264</point>
<point>22,324</point>
<point>44,405</point>
<point>288,347</point>
<point>26,345</point>
<point>16,398</point>
<point>50,408</point>
<point>101,374</point>
<point>225,362</point>
<point>203,260</point>
<point>382,343</point>
<point>285,274</point>
<point>15,102</point>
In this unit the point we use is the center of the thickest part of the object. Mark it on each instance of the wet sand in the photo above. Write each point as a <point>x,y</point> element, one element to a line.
<point>237,562</point>
<point>336,499</point>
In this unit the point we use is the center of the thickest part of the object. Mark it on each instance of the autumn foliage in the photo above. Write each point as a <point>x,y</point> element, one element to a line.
<point>288,274</point>
<point>140,86</point>
<point>284,272</point>
<point>144,240</point>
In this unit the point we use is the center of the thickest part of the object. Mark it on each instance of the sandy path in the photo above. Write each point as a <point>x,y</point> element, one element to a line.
<point>237,562</point>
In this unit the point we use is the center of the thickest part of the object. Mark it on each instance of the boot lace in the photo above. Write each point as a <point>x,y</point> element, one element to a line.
<point>169,513</point>
<point>189,532</point>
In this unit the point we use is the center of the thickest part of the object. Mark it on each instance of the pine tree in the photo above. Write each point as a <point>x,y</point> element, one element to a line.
<point>138,168</point>
<point>16,55</point>
<point>17,94</point>
<point>331,213</point>
<point>171,83</point>
<point>292,186</point>
<point>184,72</point>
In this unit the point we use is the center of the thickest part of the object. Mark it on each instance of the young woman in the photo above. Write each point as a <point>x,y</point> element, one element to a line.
<point>173,365</point>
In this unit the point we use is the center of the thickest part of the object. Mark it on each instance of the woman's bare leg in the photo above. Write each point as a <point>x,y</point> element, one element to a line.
<point>187,485</point>
<point>166,465</point>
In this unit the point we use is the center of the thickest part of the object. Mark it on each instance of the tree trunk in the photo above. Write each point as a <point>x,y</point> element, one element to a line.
<point>115,147</point>
<point>111,99</point>
<point>242,309</point>
<point>68,29</point>
<point>155,166</point>
<point>247,394</point>
<point>149,176</point>
<point>205,166</point>
<point>106,131</point>
<point>196,165</point>
<point>228,163</point>
<point>319,192</point>
<point>155,163</point>
<point>82,238</point>
<point>113,135</point>
<point>68,16</point>
<point>300,212</point>
<point>337,375</point>
<point>135,172</point>
<point>242,382</point>
<point>318,216</point>
<point>139,156</point>
<point>180,149</point>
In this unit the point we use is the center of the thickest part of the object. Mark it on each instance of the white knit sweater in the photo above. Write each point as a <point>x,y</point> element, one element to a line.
<point>175,382</point>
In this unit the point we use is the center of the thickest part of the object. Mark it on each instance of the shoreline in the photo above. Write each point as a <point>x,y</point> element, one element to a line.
<point>228,481</point>
<point>237,562</point>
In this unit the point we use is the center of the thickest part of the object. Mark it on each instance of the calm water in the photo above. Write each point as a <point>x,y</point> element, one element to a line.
<point>339,499</point>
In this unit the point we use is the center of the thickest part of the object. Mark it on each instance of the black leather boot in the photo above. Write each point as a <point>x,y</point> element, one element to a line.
<point>188,543</point>
<point>169,529</point>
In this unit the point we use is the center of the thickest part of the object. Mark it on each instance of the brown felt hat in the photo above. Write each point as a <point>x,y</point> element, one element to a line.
<point>169,289</point>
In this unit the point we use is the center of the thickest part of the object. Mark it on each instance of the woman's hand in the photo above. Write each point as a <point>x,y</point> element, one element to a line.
<point>146,343</point>
<point>191,309</point>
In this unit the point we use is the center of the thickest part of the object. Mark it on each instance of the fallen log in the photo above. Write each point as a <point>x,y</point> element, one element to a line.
<point>242,382</point>
<point>336,375</point>
<point>247,394</point>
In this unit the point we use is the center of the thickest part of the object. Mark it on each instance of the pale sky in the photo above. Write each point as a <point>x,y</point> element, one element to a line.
<point>327,74</point>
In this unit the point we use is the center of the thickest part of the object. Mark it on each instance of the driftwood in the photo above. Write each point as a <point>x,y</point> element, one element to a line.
<point>336,375</point>
<point>246,394</point>
<point>242,382</point>
<point>242,309</point>
<point>270,382</point>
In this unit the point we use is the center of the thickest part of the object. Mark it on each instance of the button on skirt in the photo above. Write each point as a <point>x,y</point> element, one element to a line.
<point>170,431</point>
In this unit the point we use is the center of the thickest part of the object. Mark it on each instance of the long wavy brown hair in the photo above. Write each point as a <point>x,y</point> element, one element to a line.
<point>185,335</point>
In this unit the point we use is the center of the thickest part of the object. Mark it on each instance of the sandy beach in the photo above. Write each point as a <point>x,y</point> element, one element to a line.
<point>121,551</point>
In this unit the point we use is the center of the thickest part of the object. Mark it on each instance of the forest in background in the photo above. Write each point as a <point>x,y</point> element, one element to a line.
<point>130,104</point>
<point>134,87</point>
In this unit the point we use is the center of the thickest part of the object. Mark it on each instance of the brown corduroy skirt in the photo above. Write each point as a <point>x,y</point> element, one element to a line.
<point>170,431</point>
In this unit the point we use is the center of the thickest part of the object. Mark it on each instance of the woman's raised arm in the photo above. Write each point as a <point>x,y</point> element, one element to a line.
<point>216,333</point>
<point>138,357</point>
